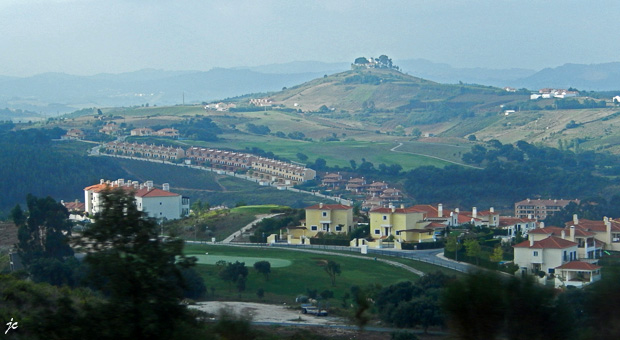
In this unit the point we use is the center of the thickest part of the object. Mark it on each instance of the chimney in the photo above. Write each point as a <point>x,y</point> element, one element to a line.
<point>541,224</point>
<point>531,241</point>
<point>101,181</point>
<point>320,205</point>
<point>402,206</point>
<point>149,185</point>
<point>572,233</point>
<point>457,210</point>
<point>474,212</point>
<point>575,219</point>
<point>166,186</point>
<point>440,210</point>
<point>121,182</point>
<point>608,228</point>
<point>393,209</point>
<point>528,200</point>
<point>563,234</point>
<point>492,209</point>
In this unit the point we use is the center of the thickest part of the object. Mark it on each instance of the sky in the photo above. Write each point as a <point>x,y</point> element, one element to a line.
<point>86,37</point>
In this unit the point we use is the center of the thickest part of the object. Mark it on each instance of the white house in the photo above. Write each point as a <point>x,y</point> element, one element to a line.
<point>557,259</point>
<point>156,203</point>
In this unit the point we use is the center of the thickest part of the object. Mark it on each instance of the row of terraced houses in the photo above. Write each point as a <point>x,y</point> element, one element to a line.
<point>260,167</point>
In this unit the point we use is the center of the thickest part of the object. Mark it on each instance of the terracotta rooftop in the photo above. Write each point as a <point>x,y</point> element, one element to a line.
<point>329,207</point>
<point>579,265</point>
<point>550,242</point>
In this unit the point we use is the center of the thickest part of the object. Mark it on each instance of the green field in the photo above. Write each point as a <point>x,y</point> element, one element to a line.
<point>305,272</point>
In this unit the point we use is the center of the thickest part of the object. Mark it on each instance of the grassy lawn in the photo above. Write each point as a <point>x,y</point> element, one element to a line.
<point>306,272</point>
<point>332,152</point>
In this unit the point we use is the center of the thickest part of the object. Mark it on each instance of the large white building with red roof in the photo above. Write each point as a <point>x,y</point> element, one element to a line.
<point>156,203</point>
<point>555,257</point>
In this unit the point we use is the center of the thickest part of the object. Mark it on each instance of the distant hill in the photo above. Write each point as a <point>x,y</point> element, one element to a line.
<point>393,95</point>
<point>54,93</point>
<point>444,73</point>
<point>594,77</point>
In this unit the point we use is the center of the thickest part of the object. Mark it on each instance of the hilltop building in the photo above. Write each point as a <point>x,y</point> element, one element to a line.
<point>156,203</point>
<point>73,134</point>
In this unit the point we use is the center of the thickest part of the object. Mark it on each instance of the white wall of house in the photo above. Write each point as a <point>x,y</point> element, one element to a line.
<point>168,207</point>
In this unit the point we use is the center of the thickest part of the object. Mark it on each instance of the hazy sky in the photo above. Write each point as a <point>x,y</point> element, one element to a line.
<point>93,36</point>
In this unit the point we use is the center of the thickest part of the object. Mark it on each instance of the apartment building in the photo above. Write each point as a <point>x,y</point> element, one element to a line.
<point>156,203</point>
<point>540,209</point>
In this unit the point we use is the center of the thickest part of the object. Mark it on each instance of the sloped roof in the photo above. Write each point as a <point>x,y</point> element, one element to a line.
<point>329,207</point>
<point>154,192</point>
<point>550,242</point>
<point>579,265</point>
<point>407,210</point>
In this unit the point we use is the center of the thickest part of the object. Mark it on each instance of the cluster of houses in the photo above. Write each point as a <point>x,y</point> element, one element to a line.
<point>376,194</point>
<point>398,225</point>
<point>559,256</point>
<point>265,169</point>
<point>553,93</point>
<point>221,106</point>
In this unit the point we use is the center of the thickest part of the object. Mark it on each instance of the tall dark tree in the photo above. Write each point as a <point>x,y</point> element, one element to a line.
<point>139,271</point>
<point>44,234</point>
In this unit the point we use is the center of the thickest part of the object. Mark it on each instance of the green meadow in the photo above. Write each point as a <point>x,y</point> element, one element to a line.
<point>306,271</point>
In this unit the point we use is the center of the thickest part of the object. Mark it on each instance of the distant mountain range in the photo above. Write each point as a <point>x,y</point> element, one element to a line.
<point>57,93</point>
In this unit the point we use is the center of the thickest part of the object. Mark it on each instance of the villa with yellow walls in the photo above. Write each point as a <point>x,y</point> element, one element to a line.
<point>404,224</point>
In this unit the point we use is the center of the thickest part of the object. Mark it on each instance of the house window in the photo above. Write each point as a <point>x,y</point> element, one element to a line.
<point>535,253</point>
<point>324,213</point>
<point>565,256</point>
<point>377,231</point>
<point>338,228</point>
<point>384,217</point>
<point>314,228</point>
<point>551,270</point>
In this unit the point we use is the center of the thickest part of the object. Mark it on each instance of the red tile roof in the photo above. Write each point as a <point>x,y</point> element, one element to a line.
<point>550,242</point>
<point>144,192</point>
<point>431,212</point>
<point>598,226</point>
<point>579,265</point>
<point>329,207</point>
<point>547,231</point>
<point>154,192</point>
<point>407,210</point>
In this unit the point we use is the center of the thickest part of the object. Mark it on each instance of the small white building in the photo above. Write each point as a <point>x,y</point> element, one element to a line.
<point>156,203</point>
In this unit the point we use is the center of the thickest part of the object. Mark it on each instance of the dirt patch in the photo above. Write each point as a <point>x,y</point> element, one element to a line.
<point>259,312</point>
<point>8,235</point>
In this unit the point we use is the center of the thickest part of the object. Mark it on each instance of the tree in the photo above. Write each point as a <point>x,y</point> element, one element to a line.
<point>263,267</point>
<point>353,164</point>
<point>232,272</point>
<point>473,249</point>
<point>302,157</point>
<point>332,269</point>
<point>498,254</point>
<point>453,245</point>
<point>138,271</point>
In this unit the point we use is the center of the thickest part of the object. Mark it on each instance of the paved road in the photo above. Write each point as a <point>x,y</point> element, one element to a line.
<point>247,227</point>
